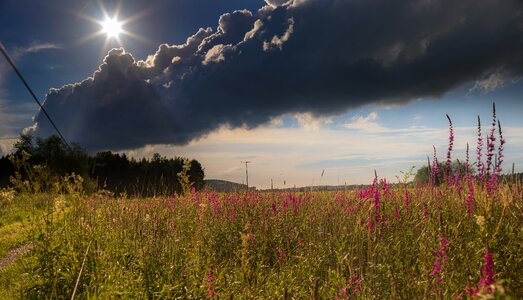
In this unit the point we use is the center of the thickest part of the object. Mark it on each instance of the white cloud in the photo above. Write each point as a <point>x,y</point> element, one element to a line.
<point>417,117</point>
<point>310,122</point>
<point>493,82</point>
<point>33,48</point>
<point>301,154</point>
<point>367,123</point>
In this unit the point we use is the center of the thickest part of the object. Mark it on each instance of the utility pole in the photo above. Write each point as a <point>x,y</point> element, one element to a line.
<point>246,172</point>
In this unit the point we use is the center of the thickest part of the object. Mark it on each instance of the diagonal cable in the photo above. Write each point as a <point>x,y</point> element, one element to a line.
<point>10,61</point>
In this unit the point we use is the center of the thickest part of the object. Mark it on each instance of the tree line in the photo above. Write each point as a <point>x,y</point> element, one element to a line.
<point>105,170</point>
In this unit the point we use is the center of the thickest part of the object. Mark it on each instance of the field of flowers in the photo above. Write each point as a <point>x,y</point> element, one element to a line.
<point>378,242</point>
<point>457,236</point>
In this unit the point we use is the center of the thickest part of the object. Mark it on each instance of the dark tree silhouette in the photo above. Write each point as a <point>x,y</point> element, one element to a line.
<point>112,171</point>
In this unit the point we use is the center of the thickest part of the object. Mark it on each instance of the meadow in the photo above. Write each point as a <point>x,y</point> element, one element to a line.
<point>456,236</point>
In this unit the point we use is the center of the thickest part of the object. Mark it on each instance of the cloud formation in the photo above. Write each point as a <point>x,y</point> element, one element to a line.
<point>321,57</point>
<point>33,48</point>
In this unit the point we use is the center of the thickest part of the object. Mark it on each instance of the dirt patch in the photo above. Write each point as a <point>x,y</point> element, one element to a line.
<point>14,254</point>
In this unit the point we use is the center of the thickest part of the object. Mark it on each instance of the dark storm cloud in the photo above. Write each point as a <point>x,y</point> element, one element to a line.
<point>318,56</point>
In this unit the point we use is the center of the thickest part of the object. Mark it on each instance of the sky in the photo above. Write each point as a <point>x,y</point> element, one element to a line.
<point>299,88</point>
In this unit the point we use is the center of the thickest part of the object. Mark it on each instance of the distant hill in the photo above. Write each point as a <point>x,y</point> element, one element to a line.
<point>318,188</point>
<point>228,186</point>
<point>224,186</point>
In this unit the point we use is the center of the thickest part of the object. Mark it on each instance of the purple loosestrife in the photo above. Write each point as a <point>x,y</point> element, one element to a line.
<point>441,258</point>
<point>386,186</point>
<point>469,200</point>
<point>500,150</point>
<point>487,272</point>
<point>210,285</point>
<point>491,140</point>
<point>434,170</point>
<point>407,200</point>
<point>281,254</point>
<point>492,184</point>
<point>424,213</point>
<point>467,163</point>
<point>377,205</point>
<point>487,276</point>
<point>479,150</point>
<point>352,289</point>
<point>457,180</point>
<point>449,150</point>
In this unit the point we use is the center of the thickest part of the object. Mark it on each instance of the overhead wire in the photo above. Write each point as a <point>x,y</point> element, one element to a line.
<point>11,62</point>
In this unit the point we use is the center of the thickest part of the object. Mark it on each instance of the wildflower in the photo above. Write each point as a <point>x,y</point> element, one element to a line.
<point>467,161</point>
<point>354,285</point>
<point>59,203</point>
<point>386,186</point>
<point>491,139</point>
<point>353,288</point>
<point>434,169</point>
<point>407,200</point>
<point>471,291</point>
<point>487,276</point>
<point>479,150</point>
<point>469,200</point>
<point>377,205</point>
<point>281,254</point>
<point>487,271</point>
<point>441,257</point>
<point>424,213</point>
<point>370,224</point>
<point>210,285</point>
<point>451,145</point>
<point>500,150</point>
<point>7,195</point>
<point>492,185</point>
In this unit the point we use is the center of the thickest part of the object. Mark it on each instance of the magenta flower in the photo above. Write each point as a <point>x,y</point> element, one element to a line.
<point>281,254</point>
<point>487,271</point>
<point>434,170</point>
<point>479,150</point>
<point>487,276</point>
<point>467,161</point>
<point>441,258</point>
<point>210,285</point>
<point>471,291</point>
<point>449,150</point>
<point>377,205</point>
<point>500,150</point>
<point>353,288</point>
<point>491,140</point>
<point>424,213</point>
<point>469,200</point>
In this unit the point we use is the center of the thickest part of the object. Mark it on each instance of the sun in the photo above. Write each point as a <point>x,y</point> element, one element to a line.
<point>112,27</point>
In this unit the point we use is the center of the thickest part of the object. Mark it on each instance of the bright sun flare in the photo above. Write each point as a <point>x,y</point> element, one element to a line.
<point>112,27</point>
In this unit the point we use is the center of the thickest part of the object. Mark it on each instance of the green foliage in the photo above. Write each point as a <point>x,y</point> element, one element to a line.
<point>423,174</point>
<point>183,177</point>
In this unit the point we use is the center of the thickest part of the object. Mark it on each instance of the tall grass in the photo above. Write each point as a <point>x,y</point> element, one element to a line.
<point>266,245</point>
